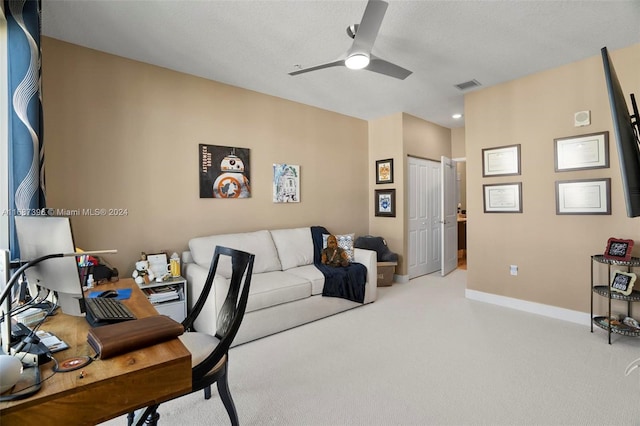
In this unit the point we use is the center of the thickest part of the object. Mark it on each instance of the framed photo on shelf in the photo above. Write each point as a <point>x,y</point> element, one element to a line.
<point>582,152</point>
<point>618,249</point>
<point>622,282</point>
<point>501,161</point>
<point>385,202</point>
<point>584,196</point>
<point>384,171</point>
<point>158,264</point>
<point>502,198</point>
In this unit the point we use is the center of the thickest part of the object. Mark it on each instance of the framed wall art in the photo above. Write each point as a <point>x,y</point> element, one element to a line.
<point>503,198</point>
<point>501,161</point>
<point>286,183</point>
<point>385,202</point>
<point>618,249</point>
<point>224,171</point>
<point>585,196</point>
<point>384,171</point>
<point>582,152</point>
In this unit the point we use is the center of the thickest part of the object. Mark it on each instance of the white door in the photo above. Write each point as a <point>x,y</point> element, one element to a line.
<point>423,217</point>
<point>449,216</point>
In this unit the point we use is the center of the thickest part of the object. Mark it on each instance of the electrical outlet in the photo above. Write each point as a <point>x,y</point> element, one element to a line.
<point>514,269</point>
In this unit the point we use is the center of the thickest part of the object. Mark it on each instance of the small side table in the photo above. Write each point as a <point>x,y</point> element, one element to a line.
<point>174,306</point>
<point>385,273</point>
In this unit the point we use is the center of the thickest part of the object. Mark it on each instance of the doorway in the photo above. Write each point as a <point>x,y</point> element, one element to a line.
<point>423,217</point>
<point>461,167</point>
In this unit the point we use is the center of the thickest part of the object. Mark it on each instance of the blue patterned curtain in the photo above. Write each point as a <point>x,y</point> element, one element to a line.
<point>26,154</point>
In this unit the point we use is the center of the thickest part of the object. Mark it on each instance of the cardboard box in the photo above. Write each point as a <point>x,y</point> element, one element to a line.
<point>385,273</point>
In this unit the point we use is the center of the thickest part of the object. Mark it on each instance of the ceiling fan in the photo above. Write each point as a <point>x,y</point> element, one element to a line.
<point>359,55</point>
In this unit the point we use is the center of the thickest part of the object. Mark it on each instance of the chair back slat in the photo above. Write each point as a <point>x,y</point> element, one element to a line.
<point>233,308</point>
<point>230,308</point>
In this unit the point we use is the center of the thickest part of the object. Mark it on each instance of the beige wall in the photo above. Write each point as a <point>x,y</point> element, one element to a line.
<point>385,141</point>
<point>424,139</point>
<point>552,251</point>
<point>398,136</point>
<point>458,151</point>
<point>123,134</point>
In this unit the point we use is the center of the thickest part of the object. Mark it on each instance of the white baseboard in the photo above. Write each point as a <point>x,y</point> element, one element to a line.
<point>401,279</point>
<point>532,307</point>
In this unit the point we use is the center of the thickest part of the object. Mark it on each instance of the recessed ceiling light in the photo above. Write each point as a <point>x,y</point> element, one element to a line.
<point>456,116</point>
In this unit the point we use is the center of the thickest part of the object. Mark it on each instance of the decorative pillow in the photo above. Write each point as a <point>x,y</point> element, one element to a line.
<point>344,241</point>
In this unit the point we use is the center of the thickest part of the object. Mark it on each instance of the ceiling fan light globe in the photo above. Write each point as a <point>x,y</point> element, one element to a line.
<point>357,61</point>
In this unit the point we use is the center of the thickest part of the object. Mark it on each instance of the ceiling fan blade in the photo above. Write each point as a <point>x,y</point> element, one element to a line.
<point>339,62</point>
<point>387,68</point>
<point>369,26</point>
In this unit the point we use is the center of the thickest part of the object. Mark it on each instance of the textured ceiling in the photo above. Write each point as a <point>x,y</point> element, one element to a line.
<point>255,44</point>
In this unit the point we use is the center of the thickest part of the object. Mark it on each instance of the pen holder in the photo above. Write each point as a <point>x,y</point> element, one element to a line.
<point>85,271</point>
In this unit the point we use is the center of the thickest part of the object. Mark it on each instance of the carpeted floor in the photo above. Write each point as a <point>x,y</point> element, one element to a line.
<point>422,354</point>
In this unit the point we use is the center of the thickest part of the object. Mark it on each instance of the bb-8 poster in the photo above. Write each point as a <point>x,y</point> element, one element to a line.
<point>224,172</point>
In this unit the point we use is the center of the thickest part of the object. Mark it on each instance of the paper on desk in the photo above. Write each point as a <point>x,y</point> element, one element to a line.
<point>51,341</point>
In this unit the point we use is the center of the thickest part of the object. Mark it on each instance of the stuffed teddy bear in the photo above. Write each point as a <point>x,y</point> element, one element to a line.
<point>333,255</point>
<point>143,274</point>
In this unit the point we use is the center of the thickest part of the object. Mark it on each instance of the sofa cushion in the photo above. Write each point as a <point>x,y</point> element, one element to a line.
<point>258,243</point>
<point>295,247</point>
<point>311,273</point>
<point>270,289</point>
<point>345,242</point>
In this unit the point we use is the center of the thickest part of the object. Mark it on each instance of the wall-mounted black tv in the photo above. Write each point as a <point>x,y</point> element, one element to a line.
<point>627,132</point>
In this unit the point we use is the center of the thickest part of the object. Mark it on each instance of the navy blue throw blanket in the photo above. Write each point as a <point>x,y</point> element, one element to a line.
<point>347,282</point>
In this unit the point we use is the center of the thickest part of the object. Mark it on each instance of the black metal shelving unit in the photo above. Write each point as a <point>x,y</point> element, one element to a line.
<point>605,291</point>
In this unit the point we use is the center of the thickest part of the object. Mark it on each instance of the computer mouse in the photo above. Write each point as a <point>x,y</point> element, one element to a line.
<point>108,293</point>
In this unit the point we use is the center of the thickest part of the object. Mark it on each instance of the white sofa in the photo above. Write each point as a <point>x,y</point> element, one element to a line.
<point>286,287</point>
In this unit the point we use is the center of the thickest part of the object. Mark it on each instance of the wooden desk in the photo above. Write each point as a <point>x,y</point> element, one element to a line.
<point>110,387</point>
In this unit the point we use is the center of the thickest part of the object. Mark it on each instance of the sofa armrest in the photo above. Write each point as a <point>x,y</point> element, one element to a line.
<point>368,258</point>
<point>196,276</point>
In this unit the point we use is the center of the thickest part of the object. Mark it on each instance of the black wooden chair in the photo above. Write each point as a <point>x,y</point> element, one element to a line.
<point>209,354</point>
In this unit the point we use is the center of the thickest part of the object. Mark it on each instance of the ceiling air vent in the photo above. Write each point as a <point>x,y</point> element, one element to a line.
<point>468,84</point>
